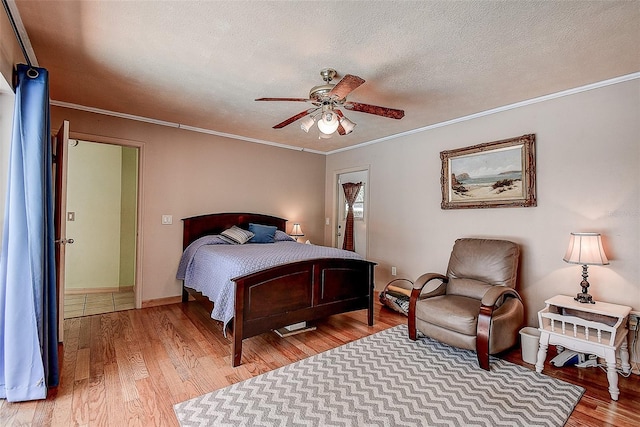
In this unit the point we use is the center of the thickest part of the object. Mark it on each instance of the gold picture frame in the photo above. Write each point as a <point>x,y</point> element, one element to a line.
<point>496,174</point>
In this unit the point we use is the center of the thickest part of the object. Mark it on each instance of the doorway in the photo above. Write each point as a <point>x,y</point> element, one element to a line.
<point>101,228</point>
<point>361,210</point>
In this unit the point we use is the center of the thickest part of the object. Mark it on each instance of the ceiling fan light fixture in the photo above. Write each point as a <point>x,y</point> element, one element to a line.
<point>347,125</point>
<point>306,123</point>
<point>328,123</point>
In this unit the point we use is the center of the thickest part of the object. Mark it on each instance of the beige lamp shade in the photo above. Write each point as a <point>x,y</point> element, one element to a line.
<point>585,249</point>
<point>296,231</point>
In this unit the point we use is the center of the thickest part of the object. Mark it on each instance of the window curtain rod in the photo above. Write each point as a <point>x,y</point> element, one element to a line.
<point>17,33</point>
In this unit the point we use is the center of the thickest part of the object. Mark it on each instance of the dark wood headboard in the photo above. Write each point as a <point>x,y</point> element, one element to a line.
<point>203,225</point>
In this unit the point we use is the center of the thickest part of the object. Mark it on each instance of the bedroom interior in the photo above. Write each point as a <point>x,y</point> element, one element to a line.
<point>576,90</point>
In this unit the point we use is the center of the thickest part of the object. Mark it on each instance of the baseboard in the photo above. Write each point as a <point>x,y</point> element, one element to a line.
<point>161,301</point>
<point>76,291</point>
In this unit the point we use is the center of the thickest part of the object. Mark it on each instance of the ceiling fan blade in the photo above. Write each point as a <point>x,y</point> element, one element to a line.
<point>345,86</point>
<point>284,99</point>
<point>293,118</point>
<point>392,113</point>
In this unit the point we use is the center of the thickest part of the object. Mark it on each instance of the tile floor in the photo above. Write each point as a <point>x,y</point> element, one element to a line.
<point>78,305</point>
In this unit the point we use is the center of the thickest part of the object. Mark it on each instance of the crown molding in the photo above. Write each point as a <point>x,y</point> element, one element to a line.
<point>520,104</point>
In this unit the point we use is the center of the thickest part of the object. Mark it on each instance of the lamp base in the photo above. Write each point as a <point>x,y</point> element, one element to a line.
<point>584,298</point>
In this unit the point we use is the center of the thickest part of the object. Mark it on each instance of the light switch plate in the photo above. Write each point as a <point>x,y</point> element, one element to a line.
<point>167,219</point>
<point>71,216</point>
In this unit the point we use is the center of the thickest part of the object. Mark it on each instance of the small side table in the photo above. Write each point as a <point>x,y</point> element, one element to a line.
<point>599,329</point>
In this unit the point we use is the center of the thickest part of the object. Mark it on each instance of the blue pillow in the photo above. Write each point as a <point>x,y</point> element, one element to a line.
<point>262,233</point>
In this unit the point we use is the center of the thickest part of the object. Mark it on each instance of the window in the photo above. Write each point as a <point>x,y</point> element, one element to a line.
<point>358,206</point>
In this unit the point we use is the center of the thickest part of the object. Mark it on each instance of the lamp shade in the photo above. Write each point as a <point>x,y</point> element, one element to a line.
<point>328,123</point>
<point>585,249</point>
<point>306,123</point>
<point>296,231</point>
<point>347,125</point>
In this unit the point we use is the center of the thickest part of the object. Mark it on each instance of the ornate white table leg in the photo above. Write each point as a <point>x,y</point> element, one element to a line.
<point>624,357</point>
<point>542,351</point>
<point>612,374</point>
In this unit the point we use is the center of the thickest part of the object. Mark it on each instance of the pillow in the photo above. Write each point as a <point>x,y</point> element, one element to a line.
<point>281,236</point>
<point>236,235</point>
<point>263,233</point>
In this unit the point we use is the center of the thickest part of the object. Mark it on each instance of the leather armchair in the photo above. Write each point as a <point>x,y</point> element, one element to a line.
<point>475,305</point>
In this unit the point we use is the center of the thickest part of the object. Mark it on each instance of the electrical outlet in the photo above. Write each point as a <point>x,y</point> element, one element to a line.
<point>167,219</point>
<point>394,272</point>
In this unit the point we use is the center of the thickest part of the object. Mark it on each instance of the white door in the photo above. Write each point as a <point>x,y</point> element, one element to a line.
<point>360,211</point>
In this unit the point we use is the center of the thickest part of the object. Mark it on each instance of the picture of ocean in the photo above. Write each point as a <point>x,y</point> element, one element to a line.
<point>487,175</point>
<point>490,179</point>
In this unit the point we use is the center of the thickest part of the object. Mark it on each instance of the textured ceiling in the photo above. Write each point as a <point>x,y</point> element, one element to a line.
<point>202,63</point>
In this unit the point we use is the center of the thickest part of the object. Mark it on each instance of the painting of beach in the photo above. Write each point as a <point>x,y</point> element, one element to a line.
<point>493,174</point>
<point>486,176</point>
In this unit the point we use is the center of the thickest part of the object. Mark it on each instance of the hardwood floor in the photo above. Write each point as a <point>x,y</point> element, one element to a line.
<point>131,367</point>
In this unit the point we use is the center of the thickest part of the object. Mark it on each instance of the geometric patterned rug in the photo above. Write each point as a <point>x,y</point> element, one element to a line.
<point>386,379</point>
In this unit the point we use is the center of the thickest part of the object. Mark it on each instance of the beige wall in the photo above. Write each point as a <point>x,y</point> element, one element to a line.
<point>588,157</point>
<point>187,173</point>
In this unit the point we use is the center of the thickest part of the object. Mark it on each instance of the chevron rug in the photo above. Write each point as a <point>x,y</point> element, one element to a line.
<point>388,380</point>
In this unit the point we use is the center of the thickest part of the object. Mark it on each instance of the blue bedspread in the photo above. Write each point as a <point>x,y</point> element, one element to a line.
<point>208,265</point>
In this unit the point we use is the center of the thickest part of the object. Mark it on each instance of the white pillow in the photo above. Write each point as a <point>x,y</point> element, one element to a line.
<point>237,235</point>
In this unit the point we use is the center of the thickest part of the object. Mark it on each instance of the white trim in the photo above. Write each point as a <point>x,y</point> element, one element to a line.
<point>140,208</point>
<point>15,14</point>
<point>563,93</point>
<point>177,126</point>
<point>524,103</point>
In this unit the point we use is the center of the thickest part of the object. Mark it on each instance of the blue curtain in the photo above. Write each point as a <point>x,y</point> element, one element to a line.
<point>28,319</point>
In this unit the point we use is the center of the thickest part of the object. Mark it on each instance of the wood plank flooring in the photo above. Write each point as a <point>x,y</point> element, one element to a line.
<point>131,367</point>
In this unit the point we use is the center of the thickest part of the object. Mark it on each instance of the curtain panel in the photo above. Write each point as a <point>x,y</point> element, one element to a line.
<point>350,194</point>
<point>28,312</point>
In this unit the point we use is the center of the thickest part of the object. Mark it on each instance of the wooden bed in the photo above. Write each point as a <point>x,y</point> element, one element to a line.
<point>289,293</point>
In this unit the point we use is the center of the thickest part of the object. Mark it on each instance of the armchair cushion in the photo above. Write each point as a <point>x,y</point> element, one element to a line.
<point>452,312</point>
<point>470,288</point>
<point>490,261</point>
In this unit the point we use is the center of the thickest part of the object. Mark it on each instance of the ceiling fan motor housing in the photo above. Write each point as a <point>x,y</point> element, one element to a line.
<point>318,93</point>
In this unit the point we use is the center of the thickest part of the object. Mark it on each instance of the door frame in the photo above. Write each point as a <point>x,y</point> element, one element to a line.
<point>336,197</point>
<point>140,198</point>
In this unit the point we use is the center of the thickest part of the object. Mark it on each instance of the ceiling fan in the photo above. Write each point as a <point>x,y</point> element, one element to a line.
<point>327,99</point>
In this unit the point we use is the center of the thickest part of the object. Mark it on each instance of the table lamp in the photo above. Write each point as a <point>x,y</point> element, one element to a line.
<point>296,231</point>
<point>585,249</point>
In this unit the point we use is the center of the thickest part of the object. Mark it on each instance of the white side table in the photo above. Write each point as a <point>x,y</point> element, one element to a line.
<point>599,329</point>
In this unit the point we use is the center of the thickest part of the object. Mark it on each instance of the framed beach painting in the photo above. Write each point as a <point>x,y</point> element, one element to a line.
<point>491,175</point>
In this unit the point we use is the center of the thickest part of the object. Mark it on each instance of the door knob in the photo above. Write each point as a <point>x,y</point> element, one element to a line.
<point>64,241</point>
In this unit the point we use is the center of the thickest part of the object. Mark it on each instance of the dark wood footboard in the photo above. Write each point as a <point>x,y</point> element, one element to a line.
<point>297,292</point>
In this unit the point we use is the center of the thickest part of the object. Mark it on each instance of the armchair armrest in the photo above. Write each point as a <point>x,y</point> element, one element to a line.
<point>421,282</point>
<point>496,292</point>
<point>489,301</point>
<point>416,293</point>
